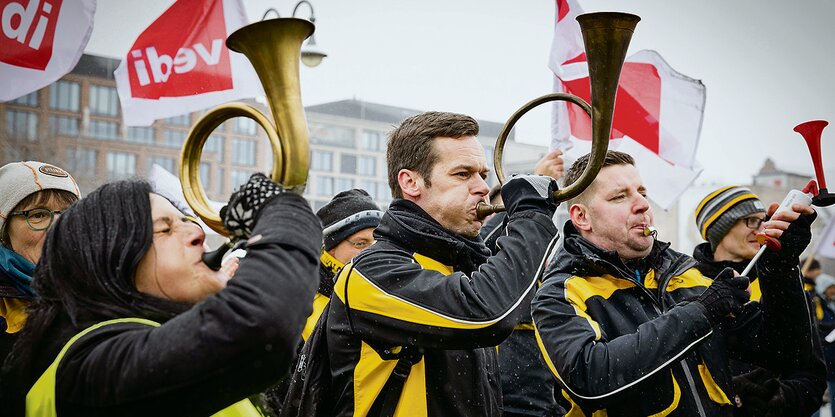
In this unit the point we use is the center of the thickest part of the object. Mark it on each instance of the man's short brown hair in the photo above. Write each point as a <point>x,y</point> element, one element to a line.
<point>410,144</point>
<point>577,168</point>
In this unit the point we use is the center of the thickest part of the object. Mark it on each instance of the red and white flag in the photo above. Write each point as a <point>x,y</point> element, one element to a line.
<point>181,64</point>
<point>826,245</point>
<point>40,41</point>
<point>658,111</point>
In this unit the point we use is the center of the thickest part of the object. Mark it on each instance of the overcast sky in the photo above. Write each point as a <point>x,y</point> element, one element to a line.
<point>767,65</point>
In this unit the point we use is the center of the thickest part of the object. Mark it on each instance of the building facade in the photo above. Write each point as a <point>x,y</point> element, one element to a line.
<point>76,123</point>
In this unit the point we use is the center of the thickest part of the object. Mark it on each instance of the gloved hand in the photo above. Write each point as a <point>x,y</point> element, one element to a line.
<point>240,214</point>
<point>727,294</point>
<point>529,192</point>
<point>759,394</point>
<point>793,241</point>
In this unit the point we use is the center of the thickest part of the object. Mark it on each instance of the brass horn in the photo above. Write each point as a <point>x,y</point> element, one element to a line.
<point>273,47</point>
<point>606,36</point>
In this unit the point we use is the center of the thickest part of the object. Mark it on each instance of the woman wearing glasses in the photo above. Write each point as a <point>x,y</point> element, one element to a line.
<point>31,195</point>
<point>130,321</point>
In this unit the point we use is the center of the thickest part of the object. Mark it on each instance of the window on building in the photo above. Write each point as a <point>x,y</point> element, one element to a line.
<point>239,177</point>
<point>243,152</point>
<point>65,95</point>
<point>173,138</point>
<point>181,120</point>
<point>372,141</point>
<point>370,186</point>
<point>206,175</point>
<point>104,100</point>
<point>81,160</point>
<point>244,125</point>
<point>120,165</point>
<point>321,161</point>
<point>30,100</point>
<point>214,145</point>
<point>64,126</point>
<point>22,125</point>
<point>367,165</point>
<point>348,164</point>
<point>143,135</point>
<point>164,162</point>
<point>326,134</point>
<point>343,184</point>
<point>219,183</point>
<point>324,186</point>
<point>488,153</point>
<point>383,191</point>
<point>101,129</point>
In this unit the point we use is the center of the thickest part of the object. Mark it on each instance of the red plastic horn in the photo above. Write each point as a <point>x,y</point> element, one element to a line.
<point>811,132</point>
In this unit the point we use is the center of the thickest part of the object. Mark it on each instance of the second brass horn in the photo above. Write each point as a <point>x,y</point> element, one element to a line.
<point>273,47</point>
<point>606,36</point>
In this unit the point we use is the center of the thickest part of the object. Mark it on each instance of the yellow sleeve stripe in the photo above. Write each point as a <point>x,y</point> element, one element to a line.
<point>544,353</point>
<point>368,297</point>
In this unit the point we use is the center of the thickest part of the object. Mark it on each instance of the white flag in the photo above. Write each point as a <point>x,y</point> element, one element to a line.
<point>658,111</point>
<point>40,41</point>
<point>826,244</point>
<point>180,63</point>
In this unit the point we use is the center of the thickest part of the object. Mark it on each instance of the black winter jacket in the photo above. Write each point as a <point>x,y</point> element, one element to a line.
<point>528,388</point>
<point>424,288</point>
<point>802,388</point>
<point>232,345</point>
<point>639,348</point>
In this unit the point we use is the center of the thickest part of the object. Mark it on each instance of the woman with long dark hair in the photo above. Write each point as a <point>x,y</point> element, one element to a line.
<point>161,334</point>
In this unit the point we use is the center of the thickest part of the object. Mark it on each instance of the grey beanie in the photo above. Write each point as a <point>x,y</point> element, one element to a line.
<point>20,179</point>
<point>717,213</point>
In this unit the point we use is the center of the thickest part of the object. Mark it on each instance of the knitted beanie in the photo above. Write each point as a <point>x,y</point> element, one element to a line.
<point>717,213</point>
<point>20,179</point>
<point>347,213</point>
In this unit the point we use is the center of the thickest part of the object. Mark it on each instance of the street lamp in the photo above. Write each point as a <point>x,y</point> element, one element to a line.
<point>311,54</point>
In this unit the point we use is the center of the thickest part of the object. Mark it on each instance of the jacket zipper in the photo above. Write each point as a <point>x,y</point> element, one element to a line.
<point>659,308</point>
<point>662,289</point>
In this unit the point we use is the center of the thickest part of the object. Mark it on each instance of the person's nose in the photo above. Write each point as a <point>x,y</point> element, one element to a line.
<point>641,204</point>
<point>196,235</point>
<point>480,187</point>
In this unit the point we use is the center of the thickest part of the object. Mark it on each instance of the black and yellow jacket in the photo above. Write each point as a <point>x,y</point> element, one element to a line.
<point>328,268</point>
<point>427,288</point>
<point>622,345</point>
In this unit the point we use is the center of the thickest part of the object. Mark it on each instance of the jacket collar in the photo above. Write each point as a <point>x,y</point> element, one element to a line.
<point>328,268</point>
<point>406,225</point>
<point>579,256</point>
<point>710,267</point>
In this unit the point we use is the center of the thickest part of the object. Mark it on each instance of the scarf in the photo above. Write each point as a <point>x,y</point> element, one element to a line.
<point>15,271</point>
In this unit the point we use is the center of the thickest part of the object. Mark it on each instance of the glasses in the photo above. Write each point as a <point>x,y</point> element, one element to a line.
<point>362,244</point>
<point>754,222</point>
<point>37,218</point>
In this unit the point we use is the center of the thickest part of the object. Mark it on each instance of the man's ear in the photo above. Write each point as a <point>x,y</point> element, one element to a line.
<point>411,183</point>
<point>579,215</point>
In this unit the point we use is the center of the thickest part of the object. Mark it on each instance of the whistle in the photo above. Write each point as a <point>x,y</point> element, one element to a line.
<point>650,231</point>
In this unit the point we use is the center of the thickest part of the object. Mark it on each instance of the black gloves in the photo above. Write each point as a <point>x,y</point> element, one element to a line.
<point>759,394</point>
<point>724,296</point>
<point>529,192</point>
<point>240,214</point>
<point>793,241</point>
